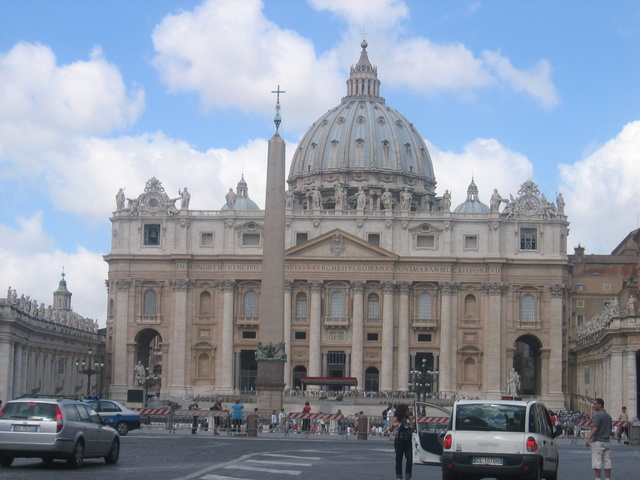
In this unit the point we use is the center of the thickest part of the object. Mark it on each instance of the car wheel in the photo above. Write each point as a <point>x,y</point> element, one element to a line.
<point>123,428</point>
<point>552,475</point>
<point>6,460</point>
<point>114,453</point>
<point>77,457</point>
<point>537,475</point>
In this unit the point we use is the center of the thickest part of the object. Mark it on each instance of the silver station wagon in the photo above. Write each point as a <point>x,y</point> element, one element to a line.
<point>50,429</point>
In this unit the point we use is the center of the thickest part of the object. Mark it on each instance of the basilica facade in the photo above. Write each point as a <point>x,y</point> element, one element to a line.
<point>383,276</point>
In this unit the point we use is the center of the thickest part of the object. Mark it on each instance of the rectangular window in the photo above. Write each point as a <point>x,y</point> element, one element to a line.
<point>300,335</point>
<point>606,287</point>
<point>374,239</point>
<point>471,242</point>
<point>250,239</point>
<point>372,337</point>
<point>249,335</point>
<point>301,307</point>
<point>580,320</point>
<point>206,240</point>
<point>302,238</point>
<point>424,337</point>
<point>61,364</point>
<point>580,287</point>
<point>580,304</point>
<point>425,241</point>
<point>528,239</point>
<point>152,235</point>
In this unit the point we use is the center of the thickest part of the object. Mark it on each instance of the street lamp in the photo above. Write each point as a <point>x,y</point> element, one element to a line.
<point>422,381</point>
<point>89,368</point>
<point>148,383</point>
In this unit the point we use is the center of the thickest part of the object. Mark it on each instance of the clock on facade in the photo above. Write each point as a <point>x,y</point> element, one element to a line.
<point>152,201</point>
<point>529,205</point>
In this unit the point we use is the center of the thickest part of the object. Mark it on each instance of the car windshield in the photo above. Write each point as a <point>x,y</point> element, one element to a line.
<point>491,417</point>
<point>29,411</point>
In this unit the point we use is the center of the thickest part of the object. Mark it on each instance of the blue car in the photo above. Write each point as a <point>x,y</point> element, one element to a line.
<point>116,414</point>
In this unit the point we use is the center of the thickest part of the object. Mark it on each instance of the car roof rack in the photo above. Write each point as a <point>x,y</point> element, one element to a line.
<point>54,397</point>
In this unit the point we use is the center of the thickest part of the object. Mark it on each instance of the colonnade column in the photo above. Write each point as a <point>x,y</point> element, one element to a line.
<point>18,375</point>
<point>545,356</point>
<point>616,380</point>
<point>447,356</point>
<point>493,345</point>
<point>357,333</point>
<point>556,366</point>
<point>7,370</point>
<point>386,364</point>
<point>315,328</point>
<point>403,337</point>
<point>288,286</point>
<point>121,363</point>
<point>630,397</point>
<point>224,364</point>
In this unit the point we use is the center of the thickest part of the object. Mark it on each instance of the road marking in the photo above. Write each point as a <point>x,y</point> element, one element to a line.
<point>221,477</point>
<point>290,456</point>
<point>280,462</point>
<point>265,470</point>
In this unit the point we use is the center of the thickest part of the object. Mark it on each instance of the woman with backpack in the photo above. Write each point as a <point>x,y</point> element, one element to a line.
<point>402,424</point>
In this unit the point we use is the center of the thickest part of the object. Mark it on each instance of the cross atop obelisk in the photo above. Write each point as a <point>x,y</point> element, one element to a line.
<point>277,119</point>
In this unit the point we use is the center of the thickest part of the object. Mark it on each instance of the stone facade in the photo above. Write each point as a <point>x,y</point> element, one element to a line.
<point>380,274</point>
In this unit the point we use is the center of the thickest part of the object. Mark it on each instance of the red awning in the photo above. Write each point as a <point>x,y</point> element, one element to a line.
<point>347,381</point>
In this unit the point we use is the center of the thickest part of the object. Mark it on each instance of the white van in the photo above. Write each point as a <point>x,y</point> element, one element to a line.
<point>487,439</point>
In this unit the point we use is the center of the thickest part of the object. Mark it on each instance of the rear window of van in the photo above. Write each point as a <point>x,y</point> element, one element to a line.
<point>491,417</point>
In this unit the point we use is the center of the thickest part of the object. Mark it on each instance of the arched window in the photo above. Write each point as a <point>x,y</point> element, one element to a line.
<point>470,307</point>
<point>205,304</point>
<point>373,306</point>
<point>250,304</point>
<point>301,305</point>
<point>527,309</point>
<point>149,307</point>
<point>337,304</point>
<point>424,306</point>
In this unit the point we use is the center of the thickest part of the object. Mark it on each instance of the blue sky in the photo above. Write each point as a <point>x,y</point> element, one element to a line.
<point>95,96</point>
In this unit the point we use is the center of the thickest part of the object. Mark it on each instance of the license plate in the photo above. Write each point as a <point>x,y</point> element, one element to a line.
<point>488,461</point>
<point>25,428</point>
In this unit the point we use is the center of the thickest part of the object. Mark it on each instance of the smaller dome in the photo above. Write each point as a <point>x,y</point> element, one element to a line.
<point>473,203</point>
<point>239,200</point>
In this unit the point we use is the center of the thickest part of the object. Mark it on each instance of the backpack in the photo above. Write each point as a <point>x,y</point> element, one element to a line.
<point>384,412</point>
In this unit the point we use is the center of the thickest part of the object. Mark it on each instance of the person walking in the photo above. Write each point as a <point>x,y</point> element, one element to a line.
<point>306,422</point>
<point>624,417</point>
<point>236,416</point>
<point>194,425</point>
<point>217,407</point>
<point>402,424</point>
<point>599,440</point>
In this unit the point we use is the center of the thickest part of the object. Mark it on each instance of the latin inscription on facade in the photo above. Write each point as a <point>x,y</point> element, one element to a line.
<point>293,267</point>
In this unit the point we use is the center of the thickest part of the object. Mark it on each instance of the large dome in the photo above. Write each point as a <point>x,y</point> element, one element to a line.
<point>364,143</point>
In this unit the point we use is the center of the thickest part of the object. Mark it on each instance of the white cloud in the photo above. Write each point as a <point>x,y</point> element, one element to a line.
<point>535,82</point>
<point>369,14</point>
<point>31,264</point>
<point>229,53</point>
<point>602,190</point>
<point>39,100</point>
<point>490,163</point>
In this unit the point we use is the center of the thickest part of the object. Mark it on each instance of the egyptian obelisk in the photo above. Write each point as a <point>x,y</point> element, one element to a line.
<point>270,354</point>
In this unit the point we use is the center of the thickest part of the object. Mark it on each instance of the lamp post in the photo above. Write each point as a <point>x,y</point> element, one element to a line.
<point>422,381</point>
<point>88,368</point>
<point>149,381</point>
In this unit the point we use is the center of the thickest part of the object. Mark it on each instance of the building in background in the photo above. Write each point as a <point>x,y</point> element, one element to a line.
<point>383,276</point>
<point>40,346</point>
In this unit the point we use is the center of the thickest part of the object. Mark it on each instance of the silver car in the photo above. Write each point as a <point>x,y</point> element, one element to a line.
<point>51,429</point>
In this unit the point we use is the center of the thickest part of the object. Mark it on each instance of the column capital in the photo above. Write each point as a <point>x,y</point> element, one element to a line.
<point>288,285</point>
<point>404,288</point>
<point>388,286</point>
<point>558,290</point>
<point>227,285</point>
<point>123,283</point>
<point>181,284</point>
<point>493,288</point>
<point>358,286</point>
<point>316,285</point>
<point>449,288</point>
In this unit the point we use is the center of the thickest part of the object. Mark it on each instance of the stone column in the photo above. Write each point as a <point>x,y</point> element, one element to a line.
<point>224,365</point>
<point>236,368</point>
<point>325,368</point>
<point>18,369</point>
<point>447,356</point>
<point>386,370</point>
<point>121,362</point>
<point>288,286</point>
<point>556,364</point>
<point>7,370</point>
<point>357,333</point>
<point>179,371</point>
<point>496,371</point>
<point>315,328</point>
<point>403,337</point>
<point>630,394</point>
<point>545,357</point>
